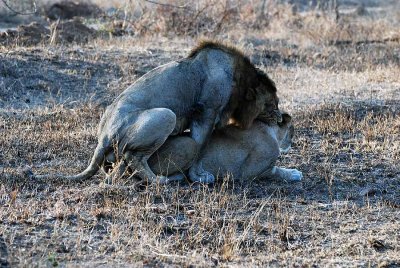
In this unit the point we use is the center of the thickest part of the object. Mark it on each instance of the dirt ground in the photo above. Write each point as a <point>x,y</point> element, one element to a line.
<point>339,80</point>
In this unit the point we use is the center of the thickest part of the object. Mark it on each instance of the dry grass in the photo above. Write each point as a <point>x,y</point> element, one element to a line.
<point>345,99</point>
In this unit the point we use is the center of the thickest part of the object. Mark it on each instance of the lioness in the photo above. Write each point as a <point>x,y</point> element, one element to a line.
<point>215,84</point>
<point>241,153</point>
<point>249,153</point>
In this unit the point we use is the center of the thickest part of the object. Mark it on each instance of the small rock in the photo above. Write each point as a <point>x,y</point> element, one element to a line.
<point>378,245</point>
<point>190,212</point>
<point>27,172</point>
<point>361,11</point>
<point>368,191</point>
<point>30,34</point>
<point>71,31</point>
<point>316,55</point>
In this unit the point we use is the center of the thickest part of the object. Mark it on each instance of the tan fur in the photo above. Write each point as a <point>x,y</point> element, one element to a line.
<point>250,153</point>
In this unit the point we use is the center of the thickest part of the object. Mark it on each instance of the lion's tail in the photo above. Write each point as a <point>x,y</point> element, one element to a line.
<point>91,170</point>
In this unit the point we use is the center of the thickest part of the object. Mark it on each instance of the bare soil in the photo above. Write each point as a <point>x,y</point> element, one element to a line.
<point>345,100</point>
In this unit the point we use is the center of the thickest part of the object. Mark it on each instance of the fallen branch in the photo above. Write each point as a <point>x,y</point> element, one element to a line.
<point>164,4</point>
<point>364,42</point>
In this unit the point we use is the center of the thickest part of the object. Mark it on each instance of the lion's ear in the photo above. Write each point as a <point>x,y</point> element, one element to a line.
<point>252,94</point>
<point>286,118</point>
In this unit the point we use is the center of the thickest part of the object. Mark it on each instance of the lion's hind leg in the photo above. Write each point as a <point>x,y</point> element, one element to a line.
<point>118,171</point>
<point>146,135</point>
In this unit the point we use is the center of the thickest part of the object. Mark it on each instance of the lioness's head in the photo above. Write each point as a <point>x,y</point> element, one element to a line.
<point>285,133</point>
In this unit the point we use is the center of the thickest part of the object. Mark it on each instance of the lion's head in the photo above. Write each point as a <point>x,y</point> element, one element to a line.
<point>260,98</point>
<point>285,133</point>
<point>253,91</point>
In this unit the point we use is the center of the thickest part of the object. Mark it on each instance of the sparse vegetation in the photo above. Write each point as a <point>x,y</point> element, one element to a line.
<point>337,76</point>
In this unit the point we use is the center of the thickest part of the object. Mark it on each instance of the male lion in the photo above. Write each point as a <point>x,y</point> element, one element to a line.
<point>215,84</point>
<point>241,153</point>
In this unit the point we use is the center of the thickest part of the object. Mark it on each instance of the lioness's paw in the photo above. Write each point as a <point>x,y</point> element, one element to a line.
<point>202,176</point>
<point>295,175</point>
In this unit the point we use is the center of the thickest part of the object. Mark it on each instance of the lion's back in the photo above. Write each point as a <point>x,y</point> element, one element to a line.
<point>241,153</point>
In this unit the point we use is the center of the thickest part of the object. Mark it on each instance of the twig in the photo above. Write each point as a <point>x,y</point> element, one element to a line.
<point>364,42</point>
<point>164,4</point>
<point>262,10</point>
<point>336,9</point>
<point>155,251</point>
<point>218,27</point>
<point>19,12</point>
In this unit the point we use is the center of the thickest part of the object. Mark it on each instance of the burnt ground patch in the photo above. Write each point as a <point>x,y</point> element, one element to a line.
<point>38,78</point>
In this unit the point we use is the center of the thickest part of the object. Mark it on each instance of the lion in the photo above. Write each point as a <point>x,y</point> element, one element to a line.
<point>215,85</point>
<point>239,153</point>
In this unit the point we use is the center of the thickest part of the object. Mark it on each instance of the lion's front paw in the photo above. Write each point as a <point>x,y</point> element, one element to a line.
<point>201,176</point>
<point>295,175</point>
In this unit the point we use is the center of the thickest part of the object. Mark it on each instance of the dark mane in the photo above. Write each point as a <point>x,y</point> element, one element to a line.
<point>249,85</point>
<point>264,79</point>
<point>242,62</point>
<point>209,44</point>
